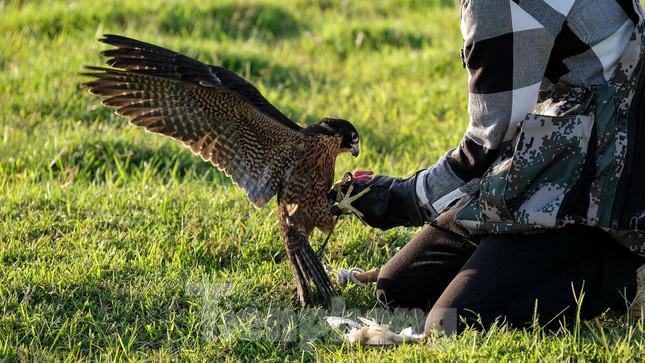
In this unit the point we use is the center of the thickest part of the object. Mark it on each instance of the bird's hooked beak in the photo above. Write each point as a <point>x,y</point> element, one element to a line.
<point>355,150</point>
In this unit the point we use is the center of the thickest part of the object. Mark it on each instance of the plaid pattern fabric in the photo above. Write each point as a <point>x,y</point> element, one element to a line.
<point>512,50</point>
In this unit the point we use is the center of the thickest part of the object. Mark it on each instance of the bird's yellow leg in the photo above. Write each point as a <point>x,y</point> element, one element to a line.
<point>345,204</point>
<point>338,187</point>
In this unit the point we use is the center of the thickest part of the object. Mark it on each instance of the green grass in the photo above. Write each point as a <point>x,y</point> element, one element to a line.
<point>118,245</point>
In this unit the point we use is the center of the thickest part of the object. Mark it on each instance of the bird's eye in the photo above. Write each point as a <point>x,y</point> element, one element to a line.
<point>354,137</point>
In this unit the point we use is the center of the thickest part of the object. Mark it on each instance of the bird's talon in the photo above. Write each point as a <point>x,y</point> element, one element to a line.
<point>346,203</point>
<point>349,191</point>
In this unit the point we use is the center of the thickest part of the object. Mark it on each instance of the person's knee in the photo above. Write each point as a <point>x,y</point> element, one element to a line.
<point>443,320</point>
<point>396,294</point>
<point>387,292</point>
<point>390,286</point>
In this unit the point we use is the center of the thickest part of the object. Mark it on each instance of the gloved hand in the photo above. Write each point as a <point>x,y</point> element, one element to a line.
<point>390,202</point>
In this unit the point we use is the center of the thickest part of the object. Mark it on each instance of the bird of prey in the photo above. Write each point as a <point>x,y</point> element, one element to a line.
<point>224,119</point>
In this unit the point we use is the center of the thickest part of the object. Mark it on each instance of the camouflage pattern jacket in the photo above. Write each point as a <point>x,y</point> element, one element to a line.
<point>578,159</point>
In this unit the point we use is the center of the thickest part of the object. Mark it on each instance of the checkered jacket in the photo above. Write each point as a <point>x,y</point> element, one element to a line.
<point>513,49</point>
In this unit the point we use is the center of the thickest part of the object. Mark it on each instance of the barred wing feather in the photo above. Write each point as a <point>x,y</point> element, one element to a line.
<point>216,123</point>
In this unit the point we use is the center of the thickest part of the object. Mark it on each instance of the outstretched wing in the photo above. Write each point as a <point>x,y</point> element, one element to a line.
<point>192,105</point>
<point>144,58</point>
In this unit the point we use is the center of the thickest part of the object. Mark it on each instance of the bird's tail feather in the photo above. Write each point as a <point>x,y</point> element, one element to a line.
<point>309,263</point>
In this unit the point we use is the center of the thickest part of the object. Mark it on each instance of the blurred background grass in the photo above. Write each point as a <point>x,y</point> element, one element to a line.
<point>102,226</point>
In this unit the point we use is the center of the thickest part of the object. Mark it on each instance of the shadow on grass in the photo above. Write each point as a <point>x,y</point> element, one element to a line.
<point>263,21</point>
<point>230,20</point>
<point>112,160</point>
<point>55,22</point>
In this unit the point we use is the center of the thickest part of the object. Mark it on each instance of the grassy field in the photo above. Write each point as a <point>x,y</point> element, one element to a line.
<point>116,245</point>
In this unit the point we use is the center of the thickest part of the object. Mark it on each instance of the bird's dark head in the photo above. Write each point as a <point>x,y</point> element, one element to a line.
<point>348,134</point>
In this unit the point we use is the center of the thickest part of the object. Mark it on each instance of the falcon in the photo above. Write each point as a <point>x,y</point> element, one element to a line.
<point>225,120</point>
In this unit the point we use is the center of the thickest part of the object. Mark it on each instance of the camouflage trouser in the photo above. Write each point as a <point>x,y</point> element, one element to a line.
<point>574,167</point>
